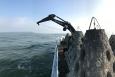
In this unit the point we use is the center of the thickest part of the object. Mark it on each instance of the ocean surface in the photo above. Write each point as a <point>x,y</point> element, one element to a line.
<point>27,54</point>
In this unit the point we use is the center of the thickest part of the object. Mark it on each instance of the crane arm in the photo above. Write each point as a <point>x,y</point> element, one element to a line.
<point>65,24</point>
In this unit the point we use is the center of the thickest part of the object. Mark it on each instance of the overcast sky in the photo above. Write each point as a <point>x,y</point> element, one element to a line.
<point>22,15</point>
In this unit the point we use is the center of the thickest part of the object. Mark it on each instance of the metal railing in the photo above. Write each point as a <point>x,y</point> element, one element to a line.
<point>55,71</point>
<point>55,64</point>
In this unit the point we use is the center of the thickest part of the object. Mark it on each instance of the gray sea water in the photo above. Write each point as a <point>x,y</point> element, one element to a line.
<point>26,54</point>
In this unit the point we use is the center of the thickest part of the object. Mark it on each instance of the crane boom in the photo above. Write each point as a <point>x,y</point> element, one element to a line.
<point>65,24</point>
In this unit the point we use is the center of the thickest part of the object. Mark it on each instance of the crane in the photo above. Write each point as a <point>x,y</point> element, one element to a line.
<point>65,24</point>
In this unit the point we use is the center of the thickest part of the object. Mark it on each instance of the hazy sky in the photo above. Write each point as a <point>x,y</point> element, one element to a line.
<point>22,15</point>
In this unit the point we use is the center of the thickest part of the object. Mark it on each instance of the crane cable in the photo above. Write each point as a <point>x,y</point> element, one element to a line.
<point>95,20</point>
